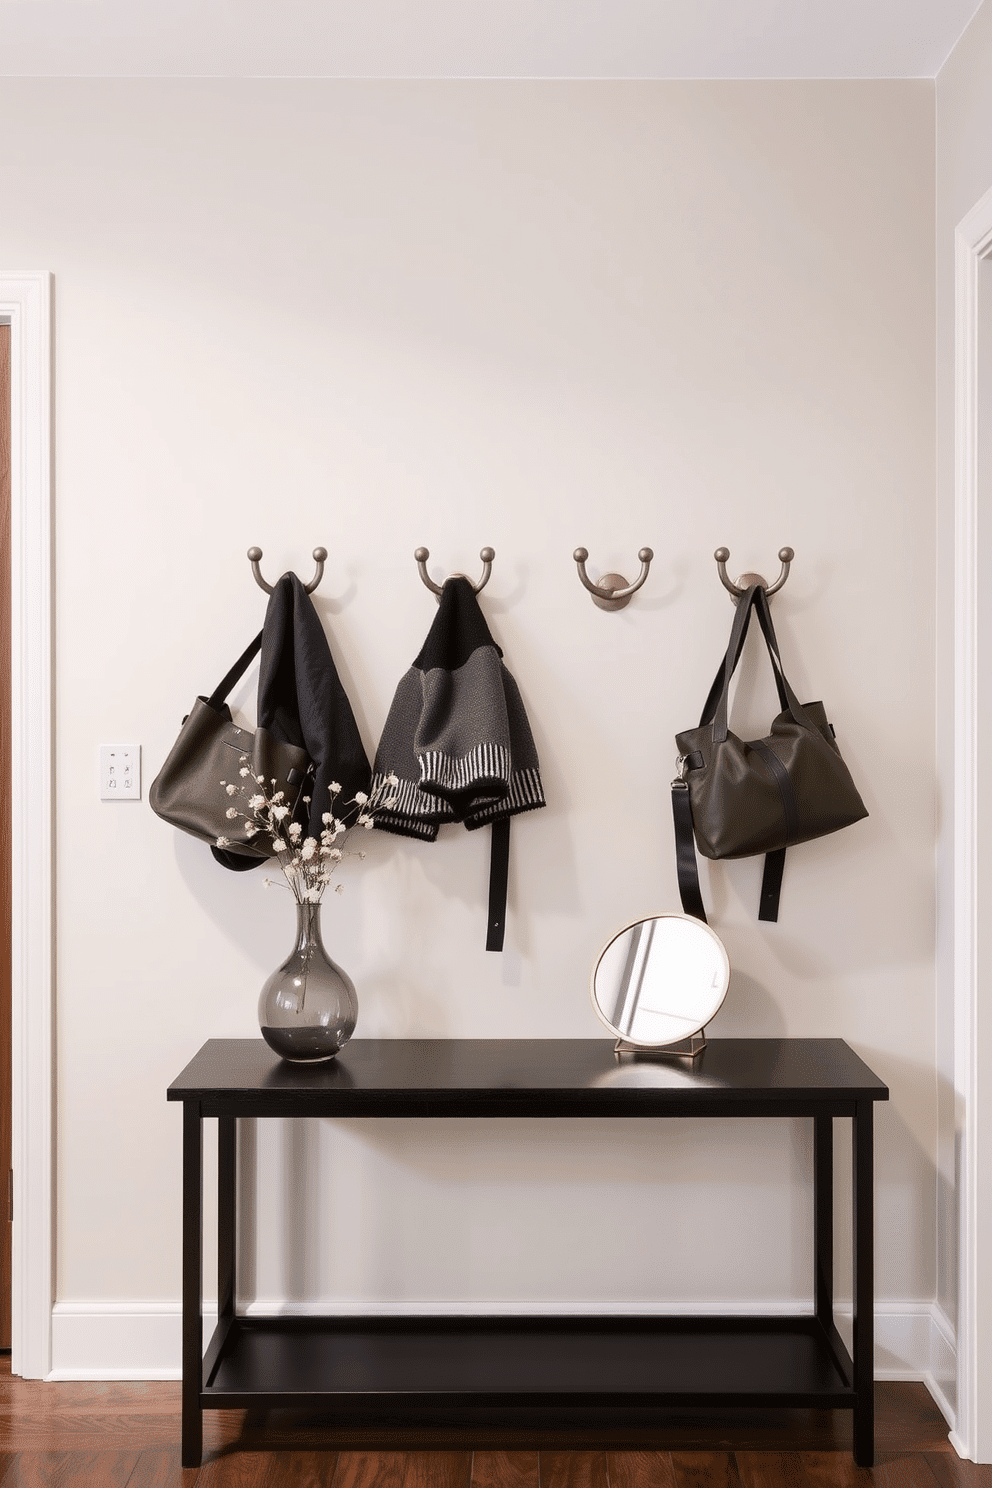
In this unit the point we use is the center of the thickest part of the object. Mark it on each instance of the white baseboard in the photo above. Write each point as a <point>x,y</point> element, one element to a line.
<point>119,1340</point>
<point>942,1380</point>
<point>142,1340</point>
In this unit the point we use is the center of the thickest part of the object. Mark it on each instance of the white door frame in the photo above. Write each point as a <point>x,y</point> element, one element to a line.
<point>25,303</point>
<point>972,1436</point>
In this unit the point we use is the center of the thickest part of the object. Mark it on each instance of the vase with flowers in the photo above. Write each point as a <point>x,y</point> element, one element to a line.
<point>308,1008</point>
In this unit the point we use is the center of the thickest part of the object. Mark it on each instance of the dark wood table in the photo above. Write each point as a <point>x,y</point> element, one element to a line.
<point>440,1370</point>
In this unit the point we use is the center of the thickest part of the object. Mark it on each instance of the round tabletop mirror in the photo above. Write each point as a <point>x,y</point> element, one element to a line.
<point>660,980</point>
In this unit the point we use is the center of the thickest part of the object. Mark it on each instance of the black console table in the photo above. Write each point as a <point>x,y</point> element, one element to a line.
<point>439,1369</point>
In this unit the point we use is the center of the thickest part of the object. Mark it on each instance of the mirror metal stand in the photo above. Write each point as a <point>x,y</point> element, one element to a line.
<point>687,1048</point>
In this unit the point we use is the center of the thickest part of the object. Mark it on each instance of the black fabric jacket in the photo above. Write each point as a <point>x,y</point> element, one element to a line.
<point>301,701</point>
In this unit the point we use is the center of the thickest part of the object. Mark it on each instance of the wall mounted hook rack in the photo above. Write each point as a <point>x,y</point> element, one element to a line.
<point>486,554</point>
<point>748,580</point>
<point>255,558</point>
<point>613,591</point>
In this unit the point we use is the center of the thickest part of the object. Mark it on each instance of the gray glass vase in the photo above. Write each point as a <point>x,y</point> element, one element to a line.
<point>308,1008</point>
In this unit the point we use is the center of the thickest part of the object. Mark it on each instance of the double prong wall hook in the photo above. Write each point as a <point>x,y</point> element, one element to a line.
<point>255,558</point>
<point>486,554</point>
<point>748,580</point>
<point>613,591</point>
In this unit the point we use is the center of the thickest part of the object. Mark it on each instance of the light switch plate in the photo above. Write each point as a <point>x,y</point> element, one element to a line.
<point>120,772</point>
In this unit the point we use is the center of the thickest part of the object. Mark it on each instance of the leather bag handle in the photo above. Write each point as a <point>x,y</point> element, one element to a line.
<point>728,665</point>
<point>787,697</point>
<point>716,708</point>
<point>244,661</point>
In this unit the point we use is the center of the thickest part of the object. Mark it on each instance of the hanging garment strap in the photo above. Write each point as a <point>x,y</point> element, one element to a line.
<point>244,661</point>
<point>499,872</point>
<point>771,884</point>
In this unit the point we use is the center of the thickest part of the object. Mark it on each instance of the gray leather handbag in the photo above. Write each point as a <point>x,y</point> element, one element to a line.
<point>740,797</point>
<point>187,792</point>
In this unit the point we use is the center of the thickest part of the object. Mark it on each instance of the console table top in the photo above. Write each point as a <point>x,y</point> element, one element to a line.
<point>498,1076</point>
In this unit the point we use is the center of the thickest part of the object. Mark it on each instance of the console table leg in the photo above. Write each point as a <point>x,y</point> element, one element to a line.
<point>864,1289</point>
<point>227,1193</point>
<point>823,1219</point>
<point>192,1421</point>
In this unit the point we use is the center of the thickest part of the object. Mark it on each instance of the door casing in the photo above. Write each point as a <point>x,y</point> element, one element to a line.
<point>25,304</point>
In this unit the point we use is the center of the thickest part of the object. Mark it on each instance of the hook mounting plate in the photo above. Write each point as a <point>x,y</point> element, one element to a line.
<point>612,581</point>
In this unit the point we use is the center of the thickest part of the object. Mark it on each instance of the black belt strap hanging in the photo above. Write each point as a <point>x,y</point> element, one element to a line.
<point>499,871</point>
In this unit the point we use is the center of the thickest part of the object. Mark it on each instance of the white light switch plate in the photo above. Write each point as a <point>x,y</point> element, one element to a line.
<point>120,772</point>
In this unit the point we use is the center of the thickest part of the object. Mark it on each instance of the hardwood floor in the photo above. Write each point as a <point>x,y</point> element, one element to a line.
<point>127,1436</point>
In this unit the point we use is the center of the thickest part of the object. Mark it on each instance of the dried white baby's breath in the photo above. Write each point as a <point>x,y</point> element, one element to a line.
<point>307,861</point>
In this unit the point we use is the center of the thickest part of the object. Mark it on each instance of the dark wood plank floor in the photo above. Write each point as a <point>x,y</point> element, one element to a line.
<point>127,1436</point>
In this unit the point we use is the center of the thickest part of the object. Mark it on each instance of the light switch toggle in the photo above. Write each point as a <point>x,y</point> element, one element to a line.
<point>120,772</point>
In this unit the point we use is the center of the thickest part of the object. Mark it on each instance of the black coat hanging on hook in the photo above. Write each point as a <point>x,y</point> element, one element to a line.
<point>301,699</point>
<point>301,702</point>
<point>458,738</point>
<point>743,797</point>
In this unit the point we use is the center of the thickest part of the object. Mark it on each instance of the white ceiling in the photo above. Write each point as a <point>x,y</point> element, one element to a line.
<point>480,38</point>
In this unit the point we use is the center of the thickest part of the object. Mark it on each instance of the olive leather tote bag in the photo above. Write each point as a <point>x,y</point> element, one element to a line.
<point>735,798</point>
<point>187,790</point>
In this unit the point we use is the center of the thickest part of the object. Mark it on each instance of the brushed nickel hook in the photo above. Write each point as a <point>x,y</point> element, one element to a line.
<point>748,580</point>
<point>255,558</point>
<point>486,554</point>
<point>613,591</point>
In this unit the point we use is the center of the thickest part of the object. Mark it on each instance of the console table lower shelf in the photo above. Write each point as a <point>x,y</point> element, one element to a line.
<point>432,1369</point>
<point>527,1372</point>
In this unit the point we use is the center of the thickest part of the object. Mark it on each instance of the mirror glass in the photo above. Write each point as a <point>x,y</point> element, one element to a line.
<point>660,980</point>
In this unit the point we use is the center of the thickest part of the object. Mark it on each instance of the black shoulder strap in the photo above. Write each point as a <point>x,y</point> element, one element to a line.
<point>685,853</point>
<point>687,869</point>
<point>236,862</point>
<point>237,671</point>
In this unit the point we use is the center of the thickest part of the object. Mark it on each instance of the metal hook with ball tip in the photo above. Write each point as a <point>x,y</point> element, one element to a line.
<point>748,580</point>
<point>255,558</point>
<point>486,554</point>
<point>613,591</point>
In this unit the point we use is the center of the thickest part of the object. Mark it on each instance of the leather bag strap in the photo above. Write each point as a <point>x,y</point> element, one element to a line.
<point>237,671</point>
<point>786,695</point>
<point>735,646</point>
<point>685,853</point>
<point>688,871</point>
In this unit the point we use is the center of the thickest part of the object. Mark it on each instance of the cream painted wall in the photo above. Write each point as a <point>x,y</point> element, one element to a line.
<point>964,175</point>
<point>375,315</point>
